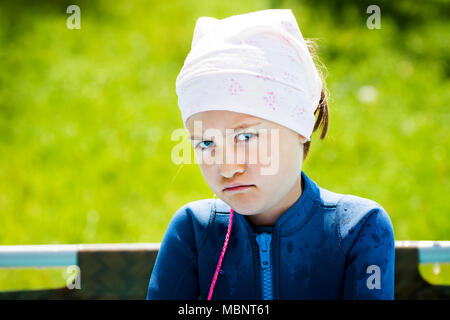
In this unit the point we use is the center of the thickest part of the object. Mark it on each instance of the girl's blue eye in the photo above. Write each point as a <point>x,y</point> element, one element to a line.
<point>207,142</point>
<point>200,144</point>
<point>246,134</point>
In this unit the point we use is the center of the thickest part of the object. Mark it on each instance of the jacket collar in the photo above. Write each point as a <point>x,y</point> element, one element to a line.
<point>295,216</point>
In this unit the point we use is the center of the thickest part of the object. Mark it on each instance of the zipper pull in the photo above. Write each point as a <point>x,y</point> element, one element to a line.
<point>264,248</point>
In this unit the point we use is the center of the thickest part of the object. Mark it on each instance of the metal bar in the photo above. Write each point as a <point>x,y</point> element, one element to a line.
<point>22,256</point>
<point>429,251</point>
<point>38,256</point>
<point>16,256</point>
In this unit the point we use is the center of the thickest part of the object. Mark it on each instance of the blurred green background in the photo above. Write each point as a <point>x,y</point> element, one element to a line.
<point>86,116</point>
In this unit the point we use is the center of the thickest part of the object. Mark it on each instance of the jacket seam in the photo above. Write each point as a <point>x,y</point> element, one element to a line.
<point>337,228</point>
<point>181,278</point>
<point>257,265</point>
<point>317,203</point>
<point>212,218</point>
<point>276,271</point>
<point>367,217</point>
<point>256,262</point>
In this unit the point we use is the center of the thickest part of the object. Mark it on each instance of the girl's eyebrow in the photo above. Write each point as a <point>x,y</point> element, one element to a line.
<point>240,126</point>
<point>246,125</point>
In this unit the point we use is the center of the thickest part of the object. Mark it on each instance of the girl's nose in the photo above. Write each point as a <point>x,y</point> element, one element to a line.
<point>228,170</point>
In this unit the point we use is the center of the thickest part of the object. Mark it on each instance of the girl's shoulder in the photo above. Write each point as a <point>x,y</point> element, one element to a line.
<point>192,220</point>
<point>350,209</point>
<point>358,218</point>
<point>197,213</point>
<point>203,210</point>
<point>353,217</point>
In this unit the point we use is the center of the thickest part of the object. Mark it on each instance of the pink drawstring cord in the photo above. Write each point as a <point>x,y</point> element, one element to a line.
<point>227,237</point>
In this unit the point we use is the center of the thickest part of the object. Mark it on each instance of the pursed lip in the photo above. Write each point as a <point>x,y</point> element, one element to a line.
<point>234,185</point>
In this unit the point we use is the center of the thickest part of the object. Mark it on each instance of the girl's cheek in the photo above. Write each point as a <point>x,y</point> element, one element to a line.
<point>205,157</point>
<point>207,171</point>
<point>243,153</point>
<point>263,152</point>
<point>253,152</point>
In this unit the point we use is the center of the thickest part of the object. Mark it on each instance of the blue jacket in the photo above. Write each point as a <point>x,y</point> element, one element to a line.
<point>325,246</point>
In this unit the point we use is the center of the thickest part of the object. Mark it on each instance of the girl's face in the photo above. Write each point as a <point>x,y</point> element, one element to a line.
<point>262,154</point>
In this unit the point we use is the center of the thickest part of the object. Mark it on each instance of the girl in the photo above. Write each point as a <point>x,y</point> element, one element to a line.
<point>249,87</point>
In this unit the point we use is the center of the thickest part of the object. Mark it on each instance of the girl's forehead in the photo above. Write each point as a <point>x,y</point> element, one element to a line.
<point>222,119</point>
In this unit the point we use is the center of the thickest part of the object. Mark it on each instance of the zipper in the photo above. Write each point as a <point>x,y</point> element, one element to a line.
<point>263,240</point>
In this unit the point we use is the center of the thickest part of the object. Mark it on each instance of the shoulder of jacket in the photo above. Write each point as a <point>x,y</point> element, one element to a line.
<point>200,214</point>
<point>329,198</point>
<point>352,212</point>
<point>199,210</point>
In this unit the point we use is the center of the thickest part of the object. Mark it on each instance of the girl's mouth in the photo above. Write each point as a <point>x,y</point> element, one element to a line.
<point>239,188</point>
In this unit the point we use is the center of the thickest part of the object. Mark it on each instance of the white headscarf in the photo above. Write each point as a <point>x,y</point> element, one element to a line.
<point>255,63</point>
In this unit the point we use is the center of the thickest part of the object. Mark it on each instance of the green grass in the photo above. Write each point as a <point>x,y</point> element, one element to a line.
<point>86,115</point>
<point>436,274</point>
<point>14,279</point>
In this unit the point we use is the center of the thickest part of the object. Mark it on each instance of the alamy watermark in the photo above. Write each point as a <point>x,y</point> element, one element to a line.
<point>74,20</point>
<point>262,148</point>
<point>374,20</point>
<point>374,280</point>
<point>73,277</point>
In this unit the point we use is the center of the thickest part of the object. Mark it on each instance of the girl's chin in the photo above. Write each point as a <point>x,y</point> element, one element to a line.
<point>245,208</point>
<point>246,203</point>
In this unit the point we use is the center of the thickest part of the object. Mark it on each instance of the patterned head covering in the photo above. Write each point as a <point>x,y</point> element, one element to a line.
<point>255,63</point>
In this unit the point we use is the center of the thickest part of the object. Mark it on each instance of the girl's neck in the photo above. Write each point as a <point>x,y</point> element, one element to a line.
<point>270,217</point>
